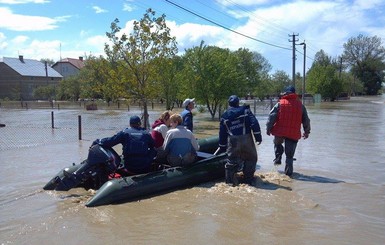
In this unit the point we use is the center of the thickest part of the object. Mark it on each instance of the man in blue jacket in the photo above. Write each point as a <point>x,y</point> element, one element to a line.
<point>138,153</point>
<point>187,116</point>
<point>235,137</point>
<point>138,147</point>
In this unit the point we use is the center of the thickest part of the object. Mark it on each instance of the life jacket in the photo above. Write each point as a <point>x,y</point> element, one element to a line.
<point>288,123</point>
<point>137,143</point>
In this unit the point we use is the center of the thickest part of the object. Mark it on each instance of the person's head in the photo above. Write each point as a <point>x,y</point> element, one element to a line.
<point>165,117</point>
<point>135,122</point>
<point>189,104</point>
<point>289,89</point>
<point>175,120</point>
<point>233,101</point>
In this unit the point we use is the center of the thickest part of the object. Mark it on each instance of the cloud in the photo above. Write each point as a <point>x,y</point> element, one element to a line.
<point>19,40</point>
<point>38,49</point>
<point>97,42</point>
<point>128,7</point>
<point>99,10</point>
<point>16,22</point>
<point>324,25</point>
<point>190,34</point>
<point>3,42</point>
<point>243,2</point>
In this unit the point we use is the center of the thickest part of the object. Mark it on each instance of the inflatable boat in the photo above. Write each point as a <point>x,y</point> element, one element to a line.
<point>98,172</point>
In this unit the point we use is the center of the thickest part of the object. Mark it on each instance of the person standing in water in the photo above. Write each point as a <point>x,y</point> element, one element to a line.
<point>236,129</point>
<point>284,122</point>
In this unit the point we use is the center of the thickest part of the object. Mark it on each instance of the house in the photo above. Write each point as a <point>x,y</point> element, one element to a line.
<point>69,67</point>
<point>19,77</point>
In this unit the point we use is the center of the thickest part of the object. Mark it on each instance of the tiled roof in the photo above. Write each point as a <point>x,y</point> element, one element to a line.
<point>75,62</point>
<point>29,67</point>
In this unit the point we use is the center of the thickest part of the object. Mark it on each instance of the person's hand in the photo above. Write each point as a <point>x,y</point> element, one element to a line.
<point>268,132</point>
<point>305,135</point>
<point>95,142</point>
<point>258,138</point>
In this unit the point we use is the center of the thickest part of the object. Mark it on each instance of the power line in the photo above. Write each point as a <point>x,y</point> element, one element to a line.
<point>225,27</point>
<point>264,21</point>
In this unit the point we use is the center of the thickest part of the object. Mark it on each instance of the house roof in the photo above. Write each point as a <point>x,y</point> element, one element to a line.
<point>78,63</point>
<point>29,67</point>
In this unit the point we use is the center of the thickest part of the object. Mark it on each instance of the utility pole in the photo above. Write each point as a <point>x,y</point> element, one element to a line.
<point>304,71</point>
<point>293,40</point>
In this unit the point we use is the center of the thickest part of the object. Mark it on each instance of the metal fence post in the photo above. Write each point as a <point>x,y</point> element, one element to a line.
<point>80,126</point>
<point>52,120</point>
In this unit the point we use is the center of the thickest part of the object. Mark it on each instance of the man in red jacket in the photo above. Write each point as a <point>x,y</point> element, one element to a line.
<point>284,123</point>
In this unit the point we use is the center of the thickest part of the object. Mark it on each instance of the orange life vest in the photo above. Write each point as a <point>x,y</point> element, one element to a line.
<point>289,119</point>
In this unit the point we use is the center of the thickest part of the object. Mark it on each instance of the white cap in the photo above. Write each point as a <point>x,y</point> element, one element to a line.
<point>188,101</point>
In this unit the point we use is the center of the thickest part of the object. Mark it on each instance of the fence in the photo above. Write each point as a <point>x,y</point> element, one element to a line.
<point>26,127</point>
<point>79,105</point>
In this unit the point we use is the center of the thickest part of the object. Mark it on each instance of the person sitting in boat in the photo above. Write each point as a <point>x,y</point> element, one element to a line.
<point>138,147</point>
<point>158,133</point>
<point>160,128</point>
<point>180,144</point>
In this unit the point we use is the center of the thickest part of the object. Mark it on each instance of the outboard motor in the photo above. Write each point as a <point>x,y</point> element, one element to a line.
<point>92,173</point>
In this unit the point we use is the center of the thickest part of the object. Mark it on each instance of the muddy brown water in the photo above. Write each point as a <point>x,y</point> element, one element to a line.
<point>337,195</point>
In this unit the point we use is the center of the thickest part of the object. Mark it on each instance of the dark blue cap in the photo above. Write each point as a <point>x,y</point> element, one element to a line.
<point>135,120</point>
<point>233,100</point>
<point>290,89</point>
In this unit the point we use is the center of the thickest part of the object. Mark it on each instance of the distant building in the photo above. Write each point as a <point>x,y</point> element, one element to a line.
<point>19,77</point>
<point>69,67</point>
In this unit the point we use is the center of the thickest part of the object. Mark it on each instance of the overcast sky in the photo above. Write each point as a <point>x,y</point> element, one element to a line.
<point>58,29</point>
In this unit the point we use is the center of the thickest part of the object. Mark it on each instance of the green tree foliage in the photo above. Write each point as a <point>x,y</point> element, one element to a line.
<point>323,80</point>
<point>149,40</point>
<point>366,58</point>
<point>169,79</point>
<point>279,80</point>
<point>298,83</point>
<point>99,81</point>
<point>323,77</point>
<point>212,76</point>
<point>69,89</point>
<point>254,68</point>
<point>50,62</point>
<point>44,92</point>
<point>350,84</point>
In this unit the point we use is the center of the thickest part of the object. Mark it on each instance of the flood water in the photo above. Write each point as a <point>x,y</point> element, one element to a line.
<point>336,196</point>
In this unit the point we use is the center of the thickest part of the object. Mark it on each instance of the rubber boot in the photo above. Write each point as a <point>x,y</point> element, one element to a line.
<point>278,150</point>
<point>248,172</point>
<point>230,174</point>
<point>289,167</point>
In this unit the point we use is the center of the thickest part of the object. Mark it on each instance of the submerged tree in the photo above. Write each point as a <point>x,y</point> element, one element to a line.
<point>133,55</point>
<point>323,77</point>
<point>366,58</point>
<point>169,81</point>
<point>212,76</point>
